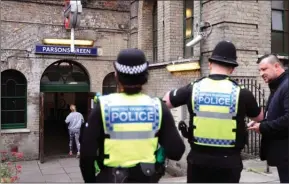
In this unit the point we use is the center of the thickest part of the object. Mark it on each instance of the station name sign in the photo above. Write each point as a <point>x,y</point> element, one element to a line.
<point>65,50</point>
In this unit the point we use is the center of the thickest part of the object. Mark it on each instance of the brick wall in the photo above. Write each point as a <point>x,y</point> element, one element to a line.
<point>25,24</point>
<point>247,24</point>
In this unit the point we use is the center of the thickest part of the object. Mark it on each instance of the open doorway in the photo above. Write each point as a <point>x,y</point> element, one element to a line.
<point>56,109</point>
<point>64,82</point>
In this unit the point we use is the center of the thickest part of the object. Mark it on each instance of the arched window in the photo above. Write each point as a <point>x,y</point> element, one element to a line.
<point>155,32</point>
<point>65,76</point>
<point>109,84</point>
<point>13,99</point>
<point>188,26</point>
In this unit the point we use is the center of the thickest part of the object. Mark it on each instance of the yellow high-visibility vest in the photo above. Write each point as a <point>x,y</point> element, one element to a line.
<point>131,122</point>
<point>215,104</point>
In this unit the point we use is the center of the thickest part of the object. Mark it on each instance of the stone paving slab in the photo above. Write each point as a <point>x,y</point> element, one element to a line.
<point>51,178</point>
<point>260,167</point>
<point>246,177</point>
<point>66,170</point>
<point>47,171</point>
<point>75,169</point>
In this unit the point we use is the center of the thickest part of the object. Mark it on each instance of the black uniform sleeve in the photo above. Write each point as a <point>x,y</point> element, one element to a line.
<point>169,137</point>
<point>252,109</point>
<point>280,124</point>
<point>92,136</point>
<point>179,97</point>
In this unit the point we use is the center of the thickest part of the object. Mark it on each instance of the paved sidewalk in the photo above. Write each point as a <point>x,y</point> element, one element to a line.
<point>66,170</point>
<point>56,170</point>
<point>254,171</point>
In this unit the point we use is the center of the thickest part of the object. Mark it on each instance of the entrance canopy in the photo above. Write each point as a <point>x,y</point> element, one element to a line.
<point>65,76</point>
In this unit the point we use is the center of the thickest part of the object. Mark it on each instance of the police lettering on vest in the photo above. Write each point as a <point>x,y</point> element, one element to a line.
<point>211,98</point>
<point>132,114</point>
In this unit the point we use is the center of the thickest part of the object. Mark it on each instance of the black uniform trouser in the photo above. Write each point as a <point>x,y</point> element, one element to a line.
<point>205,174</point>
<point>159,173</point>
<point>283,172</point>
<point>134,175</point>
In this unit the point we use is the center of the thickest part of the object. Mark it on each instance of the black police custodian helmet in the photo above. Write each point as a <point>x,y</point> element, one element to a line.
<point>131,67</point>
<point>225,53</point>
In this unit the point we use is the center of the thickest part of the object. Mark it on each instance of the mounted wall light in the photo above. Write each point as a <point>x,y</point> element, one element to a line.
<point>68,42</point>
<point>201,34</point>
<point>183,67</point>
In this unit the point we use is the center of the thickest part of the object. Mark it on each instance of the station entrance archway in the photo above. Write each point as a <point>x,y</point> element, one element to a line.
<point>63,83</point>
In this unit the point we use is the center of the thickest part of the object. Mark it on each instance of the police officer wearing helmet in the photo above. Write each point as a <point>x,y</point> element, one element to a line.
<point>125,128</point>
<point>217,131</point>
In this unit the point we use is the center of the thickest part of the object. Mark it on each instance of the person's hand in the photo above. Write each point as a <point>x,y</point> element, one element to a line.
<point>251,123</point>
<point>182,125</point>
<point>255,127</point>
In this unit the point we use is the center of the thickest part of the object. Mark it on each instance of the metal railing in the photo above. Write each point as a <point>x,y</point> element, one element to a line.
<point>254,139</point>
<point>252,149</point>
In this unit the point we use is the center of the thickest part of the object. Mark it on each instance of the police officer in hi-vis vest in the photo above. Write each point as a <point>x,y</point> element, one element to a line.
<point>217,131</point>
<point>126,128</point>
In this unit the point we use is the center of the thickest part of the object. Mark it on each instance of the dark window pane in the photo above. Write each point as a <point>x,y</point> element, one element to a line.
<point>189,28</point>
<point>277,4</point>
<point>20,117</point>
<point>80,77</point>
<point>188,50</point>
<point>20,90</point>
<point>11,87</point>
<point>13,117</point>
<point>20,104</point>
<point>277,42</point>
<point>13,104</point>
<point>8,75</point>
<point>277,20</point>
<point>109,84</point>
<point>64,72</point>
<point>7,104</point>
<point>5,117</point>
<point>189,5</point>
<point>10,117</point>
<point>286,21</point>
<point>3,90</point>
<point>14,85</point>
<point>3,104</point>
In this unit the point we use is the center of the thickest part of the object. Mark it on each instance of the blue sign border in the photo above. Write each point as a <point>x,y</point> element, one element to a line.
<point>65,50</point>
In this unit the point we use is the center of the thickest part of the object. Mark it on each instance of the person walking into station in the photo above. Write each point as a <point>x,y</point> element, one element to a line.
<point>74,121</point>
<point>274,128</point>
<point>125,128</point>
<point>217,131</point>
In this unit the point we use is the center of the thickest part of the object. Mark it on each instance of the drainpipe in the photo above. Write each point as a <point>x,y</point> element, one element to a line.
<point>163,31</point>
<point>201,48</point>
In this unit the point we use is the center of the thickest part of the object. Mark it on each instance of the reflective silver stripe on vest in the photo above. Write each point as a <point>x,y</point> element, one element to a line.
<point>131,135</point>
<point>216,115</point>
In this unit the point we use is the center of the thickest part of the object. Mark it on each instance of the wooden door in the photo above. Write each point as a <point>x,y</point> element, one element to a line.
<point>41,127</point>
